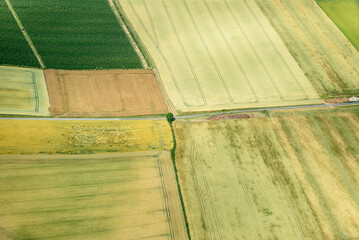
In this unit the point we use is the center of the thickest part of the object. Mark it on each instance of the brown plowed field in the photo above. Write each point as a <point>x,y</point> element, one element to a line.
<point>104,93</point>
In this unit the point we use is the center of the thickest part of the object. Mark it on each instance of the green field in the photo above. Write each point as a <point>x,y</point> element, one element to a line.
<point>214,55</point>
<point>76,35</point>
<point>278,176</point>
<point>345,14</point>
<point>23,91</point>
<point>113,196</point>
<point>14,50</point>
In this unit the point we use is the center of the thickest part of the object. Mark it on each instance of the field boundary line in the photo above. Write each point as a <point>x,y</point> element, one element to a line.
<point>9,234</point>
<point>243,185</point>
<point>254,51</point>
<point>127,33</point>
<point>168,65</point>
<point>240,67</point>
<point>276,49</point>
<point>326,55</point>
<point>206,185</point>
<point>165,196</point>
<point>24,32</point>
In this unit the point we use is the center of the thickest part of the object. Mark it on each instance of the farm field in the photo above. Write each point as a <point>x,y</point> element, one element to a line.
<point>14,50</point>
<point>23,91</point>
<point>326,56</point>
<point>83,137</point>
<point>345,14</point>
<point>214,55</point>
<point>74,35</point>
<point>106,93</point>
<point>105,196</point>
<point>286,175</point>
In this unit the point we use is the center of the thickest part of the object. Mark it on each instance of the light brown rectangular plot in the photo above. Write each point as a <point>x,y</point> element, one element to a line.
<point>104,93</point>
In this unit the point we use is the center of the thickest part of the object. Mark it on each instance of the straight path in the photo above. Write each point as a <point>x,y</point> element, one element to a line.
<point>128,34</point>
<point>187,116</point>
<point>26,35</point>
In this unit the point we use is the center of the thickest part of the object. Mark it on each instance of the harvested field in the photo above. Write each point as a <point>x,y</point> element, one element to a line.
<point>326,56</point>
<point>107,93</point>
<point>23,91</point>
<point>221,54</point>
<point>282,176</point>
<point>108,196</point>
<point>83,137</point>
<point>345,14</point>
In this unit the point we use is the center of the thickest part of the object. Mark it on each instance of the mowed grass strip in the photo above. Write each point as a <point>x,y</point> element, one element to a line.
<point>74,137</point>
<point>76,35</point>
<point>23,91</point>
<point>14,50</point>
<point>214,55</point>
<point>104,93</point>
<point>277,176</point>
<point>112,196</point>
<point>326,56</point>
<point>345,14</point>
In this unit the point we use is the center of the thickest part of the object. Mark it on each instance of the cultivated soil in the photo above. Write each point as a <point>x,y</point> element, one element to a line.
<point>104,93</point>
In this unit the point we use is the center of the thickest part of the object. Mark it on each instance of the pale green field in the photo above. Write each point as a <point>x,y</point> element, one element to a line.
<point>98,197</point>
<point>221,54</point>
<point>287,176</point>
<point>345,14</point>
<point>23,91</point>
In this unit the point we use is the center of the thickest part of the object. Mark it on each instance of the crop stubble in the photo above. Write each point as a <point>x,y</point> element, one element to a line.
<point>260,179</point>
<point>112,196</point>
<point>104,93</point>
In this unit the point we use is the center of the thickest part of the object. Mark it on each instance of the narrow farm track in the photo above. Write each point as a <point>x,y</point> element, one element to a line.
<point>190,115</point>
<point>128,34</point>
<point>26,35</point>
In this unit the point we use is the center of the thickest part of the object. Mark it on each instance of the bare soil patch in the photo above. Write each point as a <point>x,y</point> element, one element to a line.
<point>104,93</point>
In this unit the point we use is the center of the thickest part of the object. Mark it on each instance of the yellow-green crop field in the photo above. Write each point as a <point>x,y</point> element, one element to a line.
<point>83,137</point>
<point>97,197</point>
<point>23,91</point>
<point>345,14</point>
<point>222,54</point>
<point>326,56</point>
<point>273,176</point>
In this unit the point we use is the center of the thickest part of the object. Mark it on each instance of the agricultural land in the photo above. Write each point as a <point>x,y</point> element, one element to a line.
<point>214,55</point>
<point>83,137</point>
<point>82,197</point>
<point>74,35</point>
<point>284,175</point>
<point>111,93</point>
<point>345,14</point>
<point>14,50</point>
<point>326,56</point>
<point>23,91</point>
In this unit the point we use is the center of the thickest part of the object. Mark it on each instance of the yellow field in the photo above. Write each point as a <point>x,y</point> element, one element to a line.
<point>97,197</point>
<point>68,137</point>
<point>218,54</point>
<point>23,91</point>
<point>282,176</point>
